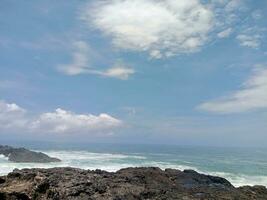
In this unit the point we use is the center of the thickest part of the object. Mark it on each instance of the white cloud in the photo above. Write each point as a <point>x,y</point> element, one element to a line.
<point>10,108</point>
<point>82,65</point>
<point>165,28</point>
<point>252,41</point>
<point>252,95</point>
<point>161,28</point>
<point>13,117</point>
<point>62,121</point>
<point>225,33</point>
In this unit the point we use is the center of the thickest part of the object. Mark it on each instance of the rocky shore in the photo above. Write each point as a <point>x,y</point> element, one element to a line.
<point>20,155</point>
<point>125,184</point>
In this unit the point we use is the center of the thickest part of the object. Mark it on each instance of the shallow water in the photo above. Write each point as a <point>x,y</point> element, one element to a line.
<point>241,166</point>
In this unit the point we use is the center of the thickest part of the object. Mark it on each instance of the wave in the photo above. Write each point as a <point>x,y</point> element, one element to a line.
<point>85,155</point>
<point>106,161</point>
<point>114,162</point>
<point>241,179</point>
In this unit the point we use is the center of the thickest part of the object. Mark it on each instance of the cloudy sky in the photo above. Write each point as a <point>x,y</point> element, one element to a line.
<point>190,72</point>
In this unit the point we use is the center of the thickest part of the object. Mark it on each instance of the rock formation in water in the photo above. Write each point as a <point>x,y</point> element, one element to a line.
<point>126,184</point>
<point>23,155</point>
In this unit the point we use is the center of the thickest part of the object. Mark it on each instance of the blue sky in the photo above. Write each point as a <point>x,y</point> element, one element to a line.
<point>140,71</point>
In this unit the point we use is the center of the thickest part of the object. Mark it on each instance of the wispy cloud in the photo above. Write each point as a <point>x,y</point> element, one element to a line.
<point>257,14</point>
<point>227,11</point>
<point>119,72</point>
<point>81,64</point>
<point>252,41</point>
<point>252,37</point>
<point>252,96</point>
<point>225,33</point>
<point>232,5</point>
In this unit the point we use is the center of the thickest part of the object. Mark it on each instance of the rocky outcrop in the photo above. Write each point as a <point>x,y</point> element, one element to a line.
<point>125,184</point>
<point>24,155</point>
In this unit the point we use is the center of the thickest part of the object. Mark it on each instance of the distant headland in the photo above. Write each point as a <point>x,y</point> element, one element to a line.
<point>22,155</point>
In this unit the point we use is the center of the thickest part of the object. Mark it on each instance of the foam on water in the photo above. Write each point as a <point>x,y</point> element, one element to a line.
<point>113,162</point>
<point>88,160</point>
<point>241,179</point>
<point>2,157</point>
<point>85,155</point>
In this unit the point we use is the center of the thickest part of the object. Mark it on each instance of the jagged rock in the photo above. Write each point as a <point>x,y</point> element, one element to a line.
<point>24,155</point>
<point>126,184</point>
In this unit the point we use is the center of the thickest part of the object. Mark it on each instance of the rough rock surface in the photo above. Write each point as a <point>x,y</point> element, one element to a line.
<point>23,155</point>
<point>126,184</point>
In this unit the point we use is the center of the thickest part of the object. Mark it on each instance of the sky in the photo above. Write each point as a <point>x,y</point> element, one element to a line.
<point>187,72</point>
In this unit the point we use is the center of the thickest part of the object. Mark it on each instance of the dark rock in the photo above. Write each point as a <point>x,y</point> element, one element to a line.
<point>193,178</point>
<point>43,187</point>
<point>2,180</point>
<point>23,155</point>
<point>14,196</point>
<point>126,184</point>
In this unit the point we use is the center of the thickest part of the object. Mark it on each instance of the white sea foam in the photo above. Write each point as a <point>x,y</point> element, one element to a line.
<point>79,159</point>
<point>240,179</point>
<point>85,155</point>
<point>2,157</point>
<point>113,162</point>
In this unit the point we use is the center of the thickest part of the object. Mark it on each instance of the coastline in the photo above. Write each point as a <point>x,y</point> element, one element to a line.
<point>129,183</point>
<point>114,158</point>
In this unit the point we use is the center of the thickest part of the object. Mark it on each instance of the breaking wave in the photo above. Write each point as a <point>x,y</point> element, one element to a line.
<point>113,162</point>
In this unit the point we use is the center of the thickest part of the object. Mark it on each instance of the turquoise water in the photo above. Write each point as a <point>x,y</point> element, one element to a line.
<point>241,166</point>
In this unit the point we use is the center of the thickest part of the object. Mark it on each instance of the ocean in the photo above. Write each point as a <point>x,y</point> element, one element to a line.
<point>241,166</point>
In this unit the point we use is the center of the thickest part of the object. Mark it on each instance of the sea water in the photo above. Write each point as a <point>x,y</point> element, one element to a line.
<point>241,166</point>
